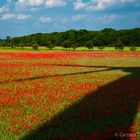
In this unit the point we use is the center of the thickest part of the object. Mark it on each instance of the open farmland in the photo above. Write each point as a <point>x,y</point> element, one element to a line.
<point>69,95</point>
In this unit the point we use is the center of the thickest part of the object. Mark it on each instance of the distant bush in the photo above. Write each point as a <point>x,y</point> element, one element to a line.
<point>35,46</point>
<point>66,44</point>
<point>101,48</point>
<point>119,45</point>
<point>21,45</point>
<point>50,45</point>
<point>89,45</point>
<point>73,46</point>
<point>133,49</point>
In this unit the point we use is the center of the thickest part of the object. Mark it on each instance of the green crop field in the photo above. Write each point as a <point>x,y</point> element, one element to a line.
<point>59,48</point>
<point>69,95</point>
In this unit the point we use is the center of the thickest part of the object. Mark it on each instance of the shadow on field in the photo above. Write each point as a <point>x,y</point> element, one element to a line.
<point>49,76</point>
<point>107,113</point>
<point>98,69</point>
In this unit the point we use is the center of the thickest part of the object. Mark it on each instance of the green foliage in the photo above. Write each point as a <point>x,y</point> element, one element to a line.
<point>35,46</point>
<point>21,45</point>
<point>8,39</point>
<point>101,48</point>
<point>79,38</point>
<point>74,46</point>
<point>89,44</point>
<point>100,39</point>
<point>50,45</point>
<point>66,44</point>
<point>119,45</point>
<point>8,42</point>
<point>133,48</point>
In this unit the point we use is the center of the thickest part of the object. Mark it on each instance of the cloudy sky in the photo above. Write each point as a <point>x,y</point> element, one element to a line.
<point>22,17</point>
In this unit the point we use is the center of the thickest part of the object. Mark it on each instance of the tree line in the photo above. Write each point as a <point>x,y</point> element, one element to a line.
<point>77,38</point>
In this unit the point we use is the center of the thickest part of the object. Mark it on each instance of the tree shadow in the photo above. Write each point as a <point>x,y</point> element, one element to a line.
<point>50,76</point>
<point>103,68</point>
<point>107,113</point>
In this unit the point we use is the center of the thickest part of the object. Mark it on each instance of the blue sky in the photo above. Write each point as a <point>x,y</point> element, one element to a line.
<point>23,17</point>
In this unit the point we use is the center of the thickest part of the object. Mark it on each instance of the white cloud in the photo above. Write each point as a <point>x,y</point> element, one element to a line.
<point>78,17</point>
<point>30,2</point>
<point>47,3</point>
<point>45,19</point>
<point>23,17</point>
<point>55,3</point>
<point>8,16</point>
<point>13,16</point>
<point>79,4</point>
<point>106,18</point>
<point>97,4</point>
<point>101,4</point>
<point>3,9</point>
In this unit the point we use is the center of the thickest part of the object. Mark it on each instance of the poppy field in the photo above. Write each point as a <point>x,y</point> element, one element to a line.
<point>69,95</point>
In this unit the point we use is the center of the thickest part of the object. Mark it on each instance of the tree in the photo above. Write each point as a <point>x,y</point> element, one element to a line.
<point>35,46</point>
<point>106,37</point>
<point>89,45</point>
<point>100,39</point>
<point>119,45</point>
<point>82,37</point>
<point>101,48</point>
<point>9,41</point>
<point>66,44</point>
<point>74,46</point>
<point>21,45</point>
<point>110,35</point>
<point>50,45</point>
<point>133,48</point>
